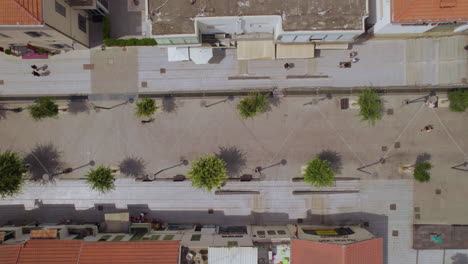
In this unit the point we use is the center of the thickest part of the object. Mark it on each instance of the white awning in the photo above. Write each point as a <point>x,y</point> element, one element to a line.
<point>255,50</point>
<point>232,255</point>
<point>294,51</point>
<point>177,54</point>
<point>201,55</point>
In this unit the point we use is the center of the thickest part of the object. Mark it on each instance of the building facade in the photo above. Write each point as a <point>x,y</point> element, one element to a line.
<point>51,25</point>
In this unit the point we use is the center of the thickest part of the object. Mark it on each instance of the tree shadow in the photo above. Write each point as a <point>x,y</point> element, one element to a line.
<point>44,159</point>
<point>334,158</point>
<point>78,106</point>
<point>3,113</point>
<point>423,158</point>
<point>273,101</point>
<point>460,258</point>
<point>132,166</point>
<point>169,104</point>
<point>234,158</point>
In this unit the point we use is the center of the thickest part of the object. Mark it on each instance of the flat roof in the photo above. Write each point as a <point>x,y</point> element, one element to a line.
<point>176,16</point>
<point>418,11</point>
<point>453,236</point>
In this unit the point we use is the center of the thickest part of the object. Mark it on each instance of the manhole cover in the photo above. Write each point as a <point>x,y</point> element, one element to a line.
<point>397,144</point>
<point>390,111</point>
<point>384,148</point>
<point>162,70</point>
<point>393,207</point>
<point>395,233</point>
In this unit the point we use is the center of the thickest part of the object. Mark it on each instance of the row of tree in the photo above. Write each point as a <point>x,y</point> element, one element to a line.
<point>208,172</point>
<point>369,102</point>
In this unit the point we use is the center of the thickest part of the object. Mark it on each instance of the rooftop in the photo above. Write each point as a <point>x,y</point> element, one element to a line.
<point>20,12</point>
<point>176,16</point>
<point>418,11</point>
<point>453,236</point>
<point>80,252</point>
<point>365,252</point>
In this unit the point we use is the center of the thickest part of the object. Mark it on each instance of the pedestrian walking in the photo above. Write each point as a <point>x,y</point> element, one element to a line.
<point>427,128</point>
<point>35,73</point>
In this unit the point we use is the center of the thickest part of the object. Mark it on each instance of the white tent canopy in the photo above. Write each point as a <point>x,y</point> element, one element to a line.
<point>201,55</point>
<point>232,255</point>
<point>177,54</point>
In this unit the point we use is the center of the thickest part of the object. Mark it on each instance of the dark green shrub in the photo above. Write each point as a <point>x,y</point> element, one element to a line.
<point>370,106</point>
<point>44,107</point>
<point>106,28</point>
<point>8,51</point>
<point>130,42</point>
<point>208,172</point>
<point>101,179</point>
<point>458,100</point>
<point>12,168</point>
<point>250,106</point>
<point>146,108</point>
<point>319,173</point>
<point>422,171</point>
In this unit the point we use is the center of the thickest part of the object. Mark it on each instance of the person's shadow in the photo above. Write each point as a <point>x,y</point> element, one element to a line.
<point>46,73</point>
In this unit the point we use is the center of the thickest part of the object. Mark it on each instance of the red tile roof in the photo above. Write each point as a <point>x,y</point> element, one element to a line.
<point>50,252</point>
<point>154,252</point>
<point>80,252</point>
<point>20,12</point>
<point>9,254</point>
<point>365,252</point>
<point>418,11</point>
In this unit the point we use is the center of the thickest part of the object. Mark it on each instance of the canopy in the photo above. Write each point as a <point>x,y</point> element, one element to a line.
<point>255,49</point>
<point>177,54</point>
<point>201,55</point>
<point>295,51</point>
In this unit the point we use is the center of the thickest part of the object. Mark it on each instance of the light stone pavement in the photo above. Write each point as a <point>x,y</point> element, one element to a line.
<point>432,61</point>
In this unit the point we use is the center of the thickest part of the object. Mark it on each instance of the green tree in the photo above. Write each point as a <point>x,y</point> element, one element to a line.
<point>319,173</point>
<point>101,179</point>
<point>146,108</point>
<point>208,172</point>
<point>422,171</point>
<point>370,106</point>
<point>12,168</point>
<point>250,106</point>
<point>44,107</point>
<point>458,100</point>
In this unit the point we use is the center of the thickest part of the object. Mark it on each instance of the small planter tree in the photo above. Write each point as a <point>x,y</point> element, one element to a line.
<point>208,172</point>
<point>146,108</point>
<point>250,106</point>
<point>12,168</point>
<point>458,100</point>
<point>422,171</point>
<point>319,173</point>
<point>101,179</point>
<point>44,107</point>
<point>370,106</point>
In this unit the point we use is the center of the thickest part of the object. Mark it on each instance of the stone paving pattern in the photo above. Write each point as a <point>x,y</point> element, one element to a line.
<point>432,61</point>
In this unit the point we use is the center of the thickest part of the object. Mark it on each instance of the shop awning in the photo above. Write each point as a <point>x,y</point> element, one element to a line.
<point>255,50</point>
<point>295,51</point>
<point>232,255</point>
<point>177,54</point>
<point>201,55</point>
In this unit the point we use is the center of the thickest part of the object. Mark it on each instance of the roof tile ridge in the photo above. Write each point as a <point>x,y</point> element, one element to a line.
<point>27,11</point>
<point>19,253</point>
<point>79,253</point>
<point>404,13</point>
